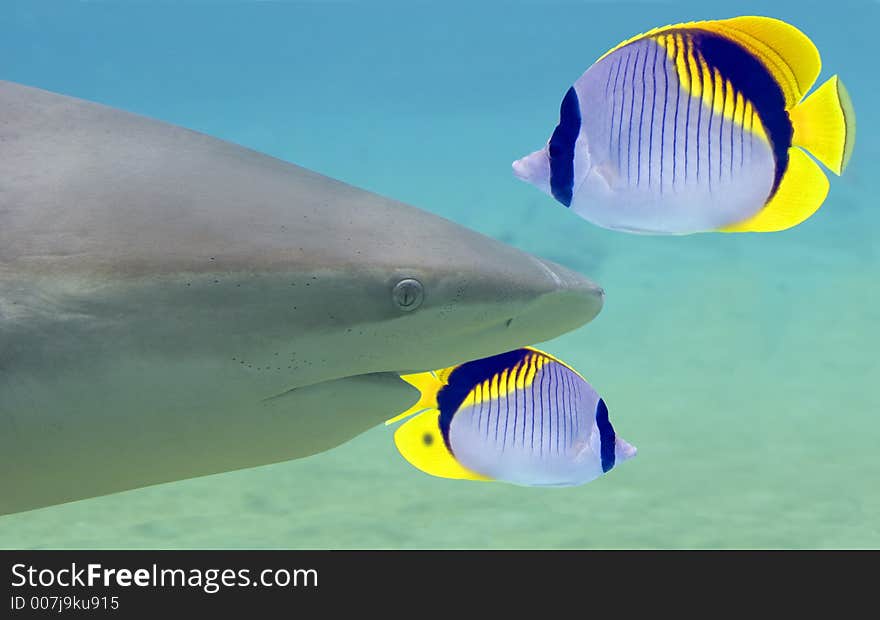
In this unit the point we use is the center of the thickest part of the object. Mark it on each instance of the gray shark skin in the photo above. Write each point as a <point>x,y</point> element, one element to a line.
<point>172,305</point>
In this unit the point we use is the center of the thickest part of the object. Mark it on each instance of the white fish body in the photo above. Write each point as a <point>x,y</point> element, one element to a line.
<point>685,129</point>
<point>521,417</point>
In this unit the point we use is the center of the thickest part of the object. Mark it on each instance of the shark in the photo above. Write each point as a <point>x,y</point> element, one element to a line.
<point>173,305</point>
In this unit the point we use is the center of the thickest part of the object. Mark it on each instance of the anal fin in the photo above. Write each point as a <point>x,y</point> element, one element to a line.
<point>800,194</point>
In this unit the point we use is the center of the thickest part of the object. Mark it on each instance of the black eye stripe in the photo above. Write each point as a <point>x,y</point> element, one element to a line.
<point>561,148</point>
<point>607,437</point>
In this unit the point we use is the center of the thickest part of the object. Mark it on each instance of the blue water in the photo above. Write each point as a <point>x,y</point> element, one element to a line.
<point>744,367</point>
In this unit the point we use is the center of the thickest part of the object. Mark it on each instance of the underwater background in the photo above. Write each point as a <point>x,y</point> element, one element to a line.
<point>744,367</point>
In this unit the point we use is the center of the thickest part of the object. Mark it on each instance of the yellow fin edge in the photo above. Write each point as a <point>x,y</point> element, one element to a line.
<point>789,54</point>
<point>420,442</point>
<point>800,194</point>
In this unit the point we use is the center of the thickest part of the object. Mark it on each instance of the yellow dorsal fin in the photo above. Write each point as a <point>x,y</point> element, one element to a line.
<point>554,359</point>
<point>642,35</point>
<point>419,441</point>
<point>801,192</point>
<point>825,124</point>
<point>429,384</point>
<point>787,52</point>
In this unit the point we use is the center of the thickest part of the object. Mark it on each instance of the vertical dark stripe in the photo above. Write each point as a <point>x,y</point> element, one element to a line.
<point>541,402</point>
<point>478,396</point>
<point>564,411</point>
<point>709,130</point>
<point>641,117</point>
<point>498,413</point>
<point>665,72</point>
<point>560,403</point>
<point>563,377</point>
<point>675,117</point>
<point>687,118</point>
<point>614,110</point>
<point>608,81</point>
<point>549,404</point>
<point>496,401</point>
<point>732,123</point>
<point>751,135</point>
<point>525,403</point>
<point>553,409</point>
<point>699,117</point>
<point>623,91</point>
<point>566,440</point>
<point>632,103</point>
<point>721,128</point>
<point>505,411</point>
<point>488,412</point>
<point>560,387</point>
<point>484,405</point>
<point>742,135</point>
<point>653,108</point>
<point>516,371</point>
<point>575,395</point>
<point>532,391</point>
<point>533,370</point>
<point>551,435</point>
<point>524,411</point>
<point>607,438</point>
<point>512,373</point>
<point>575,387</point>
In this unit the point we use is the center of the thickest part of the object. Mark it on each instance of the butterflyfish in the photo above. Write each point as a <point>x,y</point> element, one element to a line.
<point>697,127</point>
<point>522,417</point>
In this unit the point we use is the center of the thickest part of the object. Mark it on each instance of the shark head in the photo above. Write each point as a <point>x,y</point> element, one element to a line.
<point>447,295</point>
<point>174,305</point>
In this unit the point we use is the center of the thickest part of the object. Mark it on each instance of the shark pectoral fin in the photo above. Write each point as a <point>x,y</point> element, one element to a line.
<point>221,436</point>
<point>330,413</point>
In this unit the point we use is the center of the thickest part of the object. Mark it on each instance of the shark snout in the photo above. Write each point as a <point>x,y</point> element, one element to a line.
<point>567,279</point>
<point>560,300</point>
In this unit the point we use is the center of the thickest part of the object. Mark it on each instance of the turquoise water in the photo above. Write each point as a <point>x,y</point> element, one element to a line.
<point>744,367</point>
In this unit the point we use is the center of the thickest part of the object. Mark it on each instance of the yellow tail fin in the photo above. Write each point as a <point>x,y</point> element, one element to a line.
<point>825,125</point>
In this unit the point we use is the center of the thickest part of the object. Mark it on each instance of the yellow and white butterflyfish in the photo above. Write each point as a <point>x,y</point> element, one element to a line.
<point>522,417</point>
<point>698,127</point>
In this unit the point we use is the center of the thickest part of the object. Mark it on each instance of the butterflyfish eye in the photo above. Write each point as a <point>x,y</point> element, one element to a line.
<point>427,439</point>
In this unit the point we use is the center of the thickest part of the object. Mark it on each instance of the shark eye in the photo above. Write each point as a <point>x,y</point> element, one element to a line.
<point>408,294</point>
